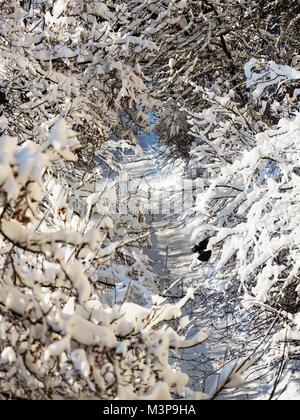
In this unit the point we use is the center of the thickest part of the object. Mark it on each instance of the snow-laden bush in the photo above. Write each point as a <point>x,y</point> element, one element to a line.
<point>249,205</point>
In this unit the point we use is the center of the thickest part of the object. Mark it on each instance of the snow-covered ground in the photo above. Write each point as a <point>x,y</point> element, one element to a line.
<point>174,263</point>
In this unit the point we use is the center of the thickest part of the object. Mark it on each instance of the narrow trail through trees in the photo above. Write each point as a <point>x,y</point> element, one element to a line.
<point>173,261</point>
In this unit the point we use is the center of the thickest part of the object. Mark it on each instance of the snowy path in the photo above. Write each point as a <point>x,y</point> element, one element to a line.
<point>171,245</point>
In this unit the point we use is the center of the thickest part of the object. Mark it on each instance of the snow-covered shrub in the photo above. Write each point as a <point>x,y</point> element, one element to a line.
<point>249,204</point>
<point>257,223</point>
